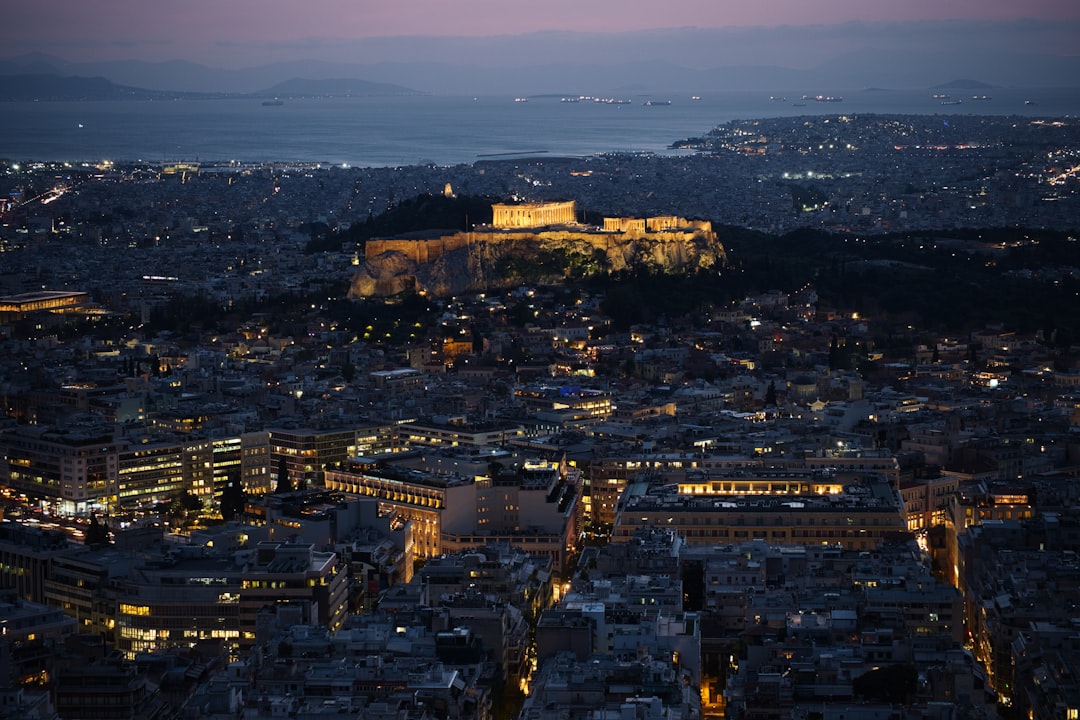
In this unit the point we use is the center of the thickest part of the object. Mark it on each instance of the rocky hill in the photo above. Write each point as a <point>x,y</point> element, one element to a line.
<point>494,258</point>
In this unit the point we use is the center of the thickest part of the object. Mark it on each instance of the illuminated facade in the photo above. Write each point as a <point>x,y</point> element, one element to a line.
<point>84,468</point>
<point>255,462</point>
<point>175,604</point>
<point>606,480</point>
<point>410,496</point>
<point>77,467</point>
<point>607,477</point>
<point>780,507</point>
<point>458,433</point>
<point>212,462</point>
<point>16,307</point>
<point>974,505</point>
<point>532,215</point>
<point>927,501</point>
<point>639,227</point>
<point>306,452</point>
<point>150,473</point>
<point>535,510</point>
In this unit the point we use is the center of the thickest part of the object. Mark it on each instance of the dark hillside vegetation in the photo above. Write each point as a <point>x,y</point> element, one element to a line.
<point>424,212</point>
<point>943,281</point>
<point>951,281</point>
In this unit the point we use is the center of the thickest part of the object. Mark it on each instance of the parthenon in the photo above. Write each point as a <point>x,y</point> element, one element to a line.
<point>532,215</point>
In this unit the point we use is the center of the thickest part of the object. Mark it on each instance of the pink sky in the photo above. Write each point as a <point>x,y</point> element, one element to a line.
<point>227,31</point>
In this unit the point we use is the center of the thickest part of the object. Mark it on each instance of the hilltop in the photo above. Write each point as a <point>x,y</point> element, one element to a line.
<point>334,87</point>
<point>509,252</point>
<point>50,87</point>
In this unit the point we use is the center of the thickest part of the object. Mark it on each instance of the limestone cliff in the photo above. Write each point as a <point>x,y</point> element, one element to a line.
<point>496,258</point>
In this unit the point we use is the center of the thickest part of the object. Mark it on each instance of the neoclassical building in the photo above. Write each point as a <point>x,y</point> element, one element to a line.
<point>856,511</point>
<point>534,509</point>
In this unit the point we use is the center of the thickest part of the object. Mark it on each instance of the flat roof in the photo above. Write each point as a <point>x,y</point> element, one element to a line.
<point>41,295</point>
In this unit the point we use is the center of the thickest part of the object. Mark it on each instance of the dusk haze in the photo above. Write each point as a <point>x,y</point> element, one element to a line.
<point>277,29</point>
<point>795,33</point>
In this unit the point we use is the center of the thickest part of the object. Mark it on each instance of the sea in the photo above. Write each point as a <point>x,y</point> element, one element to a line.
<point>446,130</point>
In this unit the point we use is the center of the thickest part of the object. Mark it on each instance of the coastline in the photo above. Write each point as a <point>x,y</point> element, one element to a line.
<point>440,130</point>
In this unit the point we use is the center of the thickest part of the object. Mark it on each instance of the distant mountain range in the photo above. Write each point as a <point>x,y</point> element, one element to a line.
<point>334,87</point>
<point>47,87</point>
<point>693,60</point>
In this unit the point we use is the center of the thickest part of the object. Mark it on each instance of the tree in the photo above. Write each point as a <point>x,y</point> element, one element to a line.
<point>770,394</point>
<point>97,533</point>
<point>284,484</point>
<point>232,496</point>
<point>839,355</point>
<point>190,503</point>
<point>834,353</point>
<point>174,510</point>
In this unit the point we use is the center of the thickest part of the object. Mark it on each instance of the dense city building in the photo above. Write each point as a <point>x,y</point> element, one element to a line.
<point>534,508</point>
<point>730,476</point>
<point>802,508</point>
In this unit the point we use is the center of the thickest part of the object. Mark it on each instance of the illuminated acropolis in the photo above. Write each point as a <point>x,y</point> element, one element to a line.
<point>551,223</point>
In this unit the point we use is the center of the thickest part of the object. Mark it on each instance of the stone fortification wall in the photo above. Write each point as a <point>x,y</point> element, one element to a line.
<point>616,231</point>
<point>525,221</point>
<point>421,250</point>
<point>486,258</point>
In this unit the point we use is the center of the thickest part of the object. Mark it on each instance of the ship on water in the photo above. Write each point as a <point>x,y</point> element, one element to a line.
<point>273,102</point>
<point>596,100</point>
<point>652,103</point>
